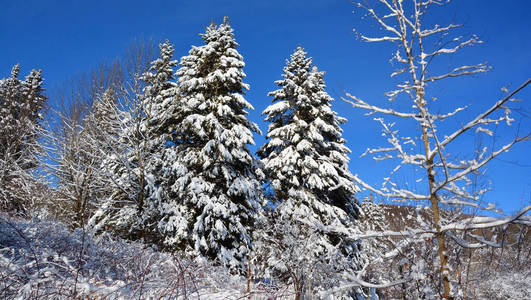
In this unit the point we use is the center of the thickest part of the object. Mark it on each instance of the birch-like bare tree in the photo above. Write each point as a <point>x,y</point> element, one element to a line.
<point>83,132</point>
<point>420,144</point>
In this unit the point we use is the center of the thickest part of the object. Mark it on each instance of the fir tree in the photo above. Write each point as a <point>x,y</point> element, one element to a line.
<point>211,191</point>
<point>100,138</point>
<point>133,166</point>
<point>21,103</point>
<point>104,121</point>
<point>159,92</point>
<point>305,159</point>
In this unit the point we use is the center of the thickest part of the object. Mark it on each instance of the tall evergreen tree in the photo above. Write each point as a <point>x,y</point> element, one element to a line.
<point>21,104</point>
<point>211,192</point>
<point>133,207</point>
<point>160,90</point>
<point>103,122</point>
<point>305,159</point>
<point>160,93</point>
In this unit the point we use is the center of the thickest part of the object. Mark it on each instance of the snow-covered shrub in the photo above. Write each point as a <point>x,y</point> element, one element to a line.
<point>45,260</point>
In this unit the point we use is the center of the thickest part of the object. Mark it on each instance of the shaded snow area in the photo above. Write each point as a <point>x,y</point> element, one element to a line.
<point>503,282</point>
<point>45,260</point>
<point>506,285</point>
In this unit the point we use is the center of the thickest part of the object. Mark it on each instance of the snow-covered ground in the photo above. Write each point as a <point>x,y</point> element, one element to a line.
<point>44,259</point>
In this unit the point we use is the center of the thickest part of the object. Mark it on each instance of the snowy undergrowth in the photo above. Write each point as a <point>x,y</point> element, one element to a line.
<point>43,259</point>
<point>505,285</point>
<point>498,276</point>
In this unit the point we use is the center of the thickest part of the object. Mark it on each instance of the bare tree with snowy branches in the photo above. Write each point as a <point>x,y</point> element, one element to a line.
<point>428,151</point>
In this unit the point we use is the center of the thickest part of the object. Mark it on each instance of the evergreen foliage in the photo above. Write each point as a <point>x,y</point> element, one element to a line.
<point>305,159</point>
<point>211,190</point>
<point>133,206</point>
<point>21,104</point>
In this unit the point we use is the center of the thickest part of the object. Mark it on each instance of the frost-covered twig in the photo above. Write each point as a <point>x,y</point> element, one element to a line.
<point>486,222</point>
<point>396,193</point>
<point>357,282</point>
<point>477,120</point>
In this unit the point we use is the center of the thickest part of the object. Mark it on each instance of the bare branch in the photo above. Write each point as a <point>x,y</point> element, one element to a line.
<point>460,71</point>
<point>485,222</point>
<point>397,193</point>
<point>356,102</point>
<point>477,120</point>
<point>477,166</point>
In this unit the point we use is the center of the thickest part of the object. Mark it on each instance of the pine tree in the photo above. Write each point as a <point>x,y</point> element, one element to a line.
<point>305,159</point>
<point>211,191</point>
<point>100,139</point>
<point>134,164</point>
<point>104,121</point>
<point>21,103</point>
<point>159,92</point>
<point>10,101</point>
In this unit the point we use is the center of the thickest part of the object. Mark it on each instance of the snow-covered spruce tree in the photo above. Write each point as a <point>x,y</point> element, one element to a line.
<point>132,209</point>
<point>211,192</point>
<point>21,103</point>
<point>305,159</point>
<point>103,123</point>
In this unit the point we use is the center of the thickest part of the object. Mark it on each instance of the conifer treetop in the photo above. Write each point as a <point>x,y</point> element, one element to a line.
<point>159,77</point>
<point>305,147</point>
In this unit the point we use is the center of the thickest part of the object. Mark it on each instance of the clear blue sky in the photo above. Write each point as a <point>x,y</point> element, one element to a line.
<point>65,38</point>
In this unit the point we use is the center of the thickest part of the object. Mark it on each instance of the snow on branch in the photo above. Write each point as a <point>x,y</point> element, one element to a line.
<point>469,42</point>
<point>485,242</point>
<point>380,39</point>
<point>465,244</point>
<point>488,222</point>
<point>380,20</point>
<point>481,117</point>
<point>357,282</point>
<point>461,71</point>
<point>490,206</point>
<point>437,29</point>
<point>396,193</point>
<point>450,114</point>
<point>403,233</point>
<point>357,102</point>
<point>476,166</point>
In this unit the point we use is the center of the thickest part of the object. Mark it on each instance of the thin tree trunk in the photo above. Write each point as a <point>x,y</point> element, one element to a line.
<point>443,254</point>
<point>140,200</point>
